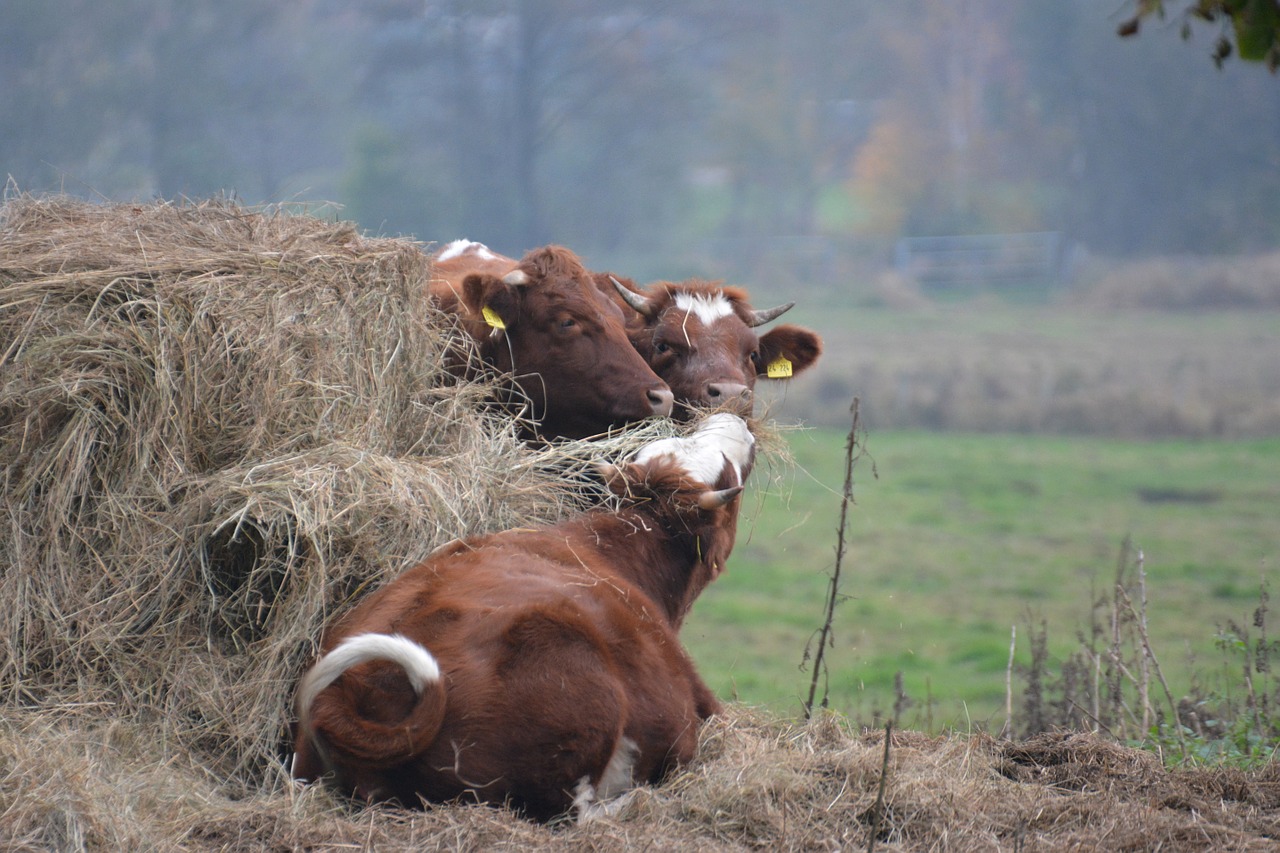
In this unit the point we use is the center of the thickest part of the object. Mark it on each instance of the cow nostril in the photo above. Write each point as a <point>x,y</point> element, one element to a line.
<point>719,392</point>
<point>661,401</point>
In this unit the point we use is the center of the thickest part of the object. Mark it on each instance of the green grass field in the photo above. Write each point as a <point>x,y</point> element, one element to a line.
<point>962,537</point>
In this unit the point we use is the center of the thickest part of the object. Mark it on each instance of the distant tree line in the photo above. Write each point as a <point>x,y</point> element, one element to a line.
<point>684,131</point>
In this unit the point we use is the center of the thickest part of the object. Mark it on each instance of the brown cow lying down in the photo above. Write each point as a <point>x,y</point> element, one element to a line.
<point>543,321</point>
<point>700,338</point>
<point>535,667</point>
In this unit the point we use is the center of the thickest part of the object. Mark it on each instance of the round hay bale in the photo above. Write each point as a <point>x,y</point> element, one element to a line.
<point>217,426</point>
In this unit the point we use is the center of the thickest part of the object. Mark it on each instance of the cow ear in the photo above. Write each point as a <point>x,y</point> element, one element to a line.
<point>493,299</point>
<point>787,350</point>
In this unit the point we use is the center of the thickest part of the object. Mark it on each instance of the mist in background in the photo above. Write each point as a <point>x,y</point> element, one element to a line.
<point>672,136</point>
<point>802,150</point>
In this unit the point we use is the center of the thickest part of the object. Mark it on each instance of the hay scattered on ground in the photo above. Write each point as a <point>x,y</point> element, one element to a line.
<point>218,426</point>
<point>758,784</point>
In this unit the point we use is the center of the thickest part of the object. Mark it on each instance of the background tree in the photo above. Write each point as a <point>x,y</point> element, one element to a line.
<point>667,139</point>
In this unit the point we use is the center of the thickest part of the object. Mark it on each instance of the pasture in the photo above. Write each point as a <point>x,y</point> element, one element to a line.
<point>961,538</point>
<point>1142,403</point>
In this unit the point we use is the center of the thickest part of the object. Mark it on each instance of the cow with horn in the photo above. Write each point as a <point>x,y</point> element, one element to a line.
<point>539,667</point>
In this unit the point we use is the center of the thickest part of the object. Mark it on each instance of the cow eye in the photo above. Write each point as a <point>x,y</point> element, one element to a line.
<point>663,347</point>
<point>567,322</point>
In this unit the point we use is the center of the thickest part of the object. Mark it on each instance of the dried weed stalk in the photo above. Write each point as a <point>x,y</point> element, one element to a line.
<point>816,648</point>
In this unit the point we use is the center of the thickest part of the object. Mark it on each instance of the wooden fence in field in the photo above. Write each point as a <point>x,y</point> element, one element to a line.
<point>1005,261</point>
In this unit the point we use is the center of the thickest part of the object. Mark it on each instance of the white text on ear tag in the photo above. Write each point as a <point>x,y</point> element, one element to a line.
<point>779,368</point>
<point>491,317</point>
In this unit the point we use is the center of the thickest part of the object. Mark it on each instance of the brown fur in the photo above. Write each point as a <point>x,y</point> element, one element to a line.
<point>565,343</point>
<point>554,644</point>
<point>716,365</point>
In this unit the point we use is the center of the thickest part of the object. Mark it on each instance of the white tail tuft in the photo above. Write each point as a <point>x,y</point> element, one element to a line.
<point>419,664</point>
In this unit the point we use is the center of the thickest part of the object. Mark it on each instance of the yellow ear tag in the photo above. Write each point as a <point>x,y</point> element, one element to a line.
<point>779,368</point>
<point>491,317</point>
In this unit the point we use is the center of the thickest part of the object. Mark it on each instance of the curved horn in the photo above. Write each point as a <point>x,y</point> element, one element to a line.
<point>635,300</point>
<point>710,500</point>
<point>759,318</point>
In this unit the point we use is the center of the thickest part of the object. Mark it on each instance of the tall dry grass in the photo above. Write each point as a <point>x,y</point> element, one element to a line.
<point>988,366</point>
<point>1248,283</point>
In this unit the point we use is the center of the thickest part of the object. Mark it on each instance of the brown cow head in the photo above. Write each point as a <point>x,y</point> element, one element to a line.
<point>700,338</point>
<point>566,345</point>
<point>691,485</point>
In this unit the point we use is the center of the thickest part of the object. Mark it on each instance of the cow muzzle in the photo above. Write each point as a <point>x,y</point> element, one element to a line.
<point>733,396</point>
<point>661,401</point>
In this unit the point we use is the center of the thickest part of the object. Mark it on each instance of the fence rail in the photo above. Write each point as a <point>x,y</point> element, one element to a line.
<point>994,260</point>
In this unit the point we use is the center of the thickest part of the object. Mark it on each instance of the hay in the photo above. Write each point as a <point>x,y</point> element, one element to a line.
<point>757,784</point>
<point>217,426</point>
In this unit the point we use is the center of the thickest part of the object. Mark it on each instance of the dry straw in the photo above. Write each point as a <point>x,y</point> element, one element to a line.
<point>218,426</point>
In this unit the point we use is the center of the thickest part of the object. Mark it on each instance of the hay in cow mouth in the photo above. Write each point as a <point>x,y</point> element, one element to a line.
<point>218,426</point>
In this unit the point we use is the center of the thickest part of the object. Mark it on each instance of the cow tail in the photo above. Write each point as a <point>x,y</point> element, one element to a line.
<point>329,715</point>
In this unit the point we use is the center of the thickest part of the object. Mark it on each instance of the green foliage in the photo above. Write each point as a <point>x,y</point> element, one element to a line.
<point>1233,717</point>
<point>1215,730</point>
<point>693,136</point>
<point>1253,24</point>
<point>380,189</point>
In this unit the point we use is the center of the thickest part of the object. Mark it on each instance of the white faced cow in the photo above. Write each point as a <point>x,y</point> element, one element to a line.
<point>700,338</point>
<point>535,667</point>
<point>542,321</point>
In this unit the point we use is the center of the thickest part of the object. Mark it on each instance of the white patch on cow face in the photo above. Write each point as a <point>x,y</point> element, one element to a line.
<point>460,247</point>
<point>720,437</point>
<point>707,307</point>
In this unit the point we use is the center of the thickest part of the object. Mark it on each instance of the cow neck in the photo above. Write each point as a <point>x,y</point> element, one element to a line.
<point>670,555</point>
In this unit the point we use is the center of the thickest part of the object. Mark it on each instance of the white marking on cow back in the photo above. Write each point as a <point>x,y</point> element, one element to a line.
<point>419,664</point>
<point>707,307</point>
<point>702,455</point>
<point>460,247</point>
